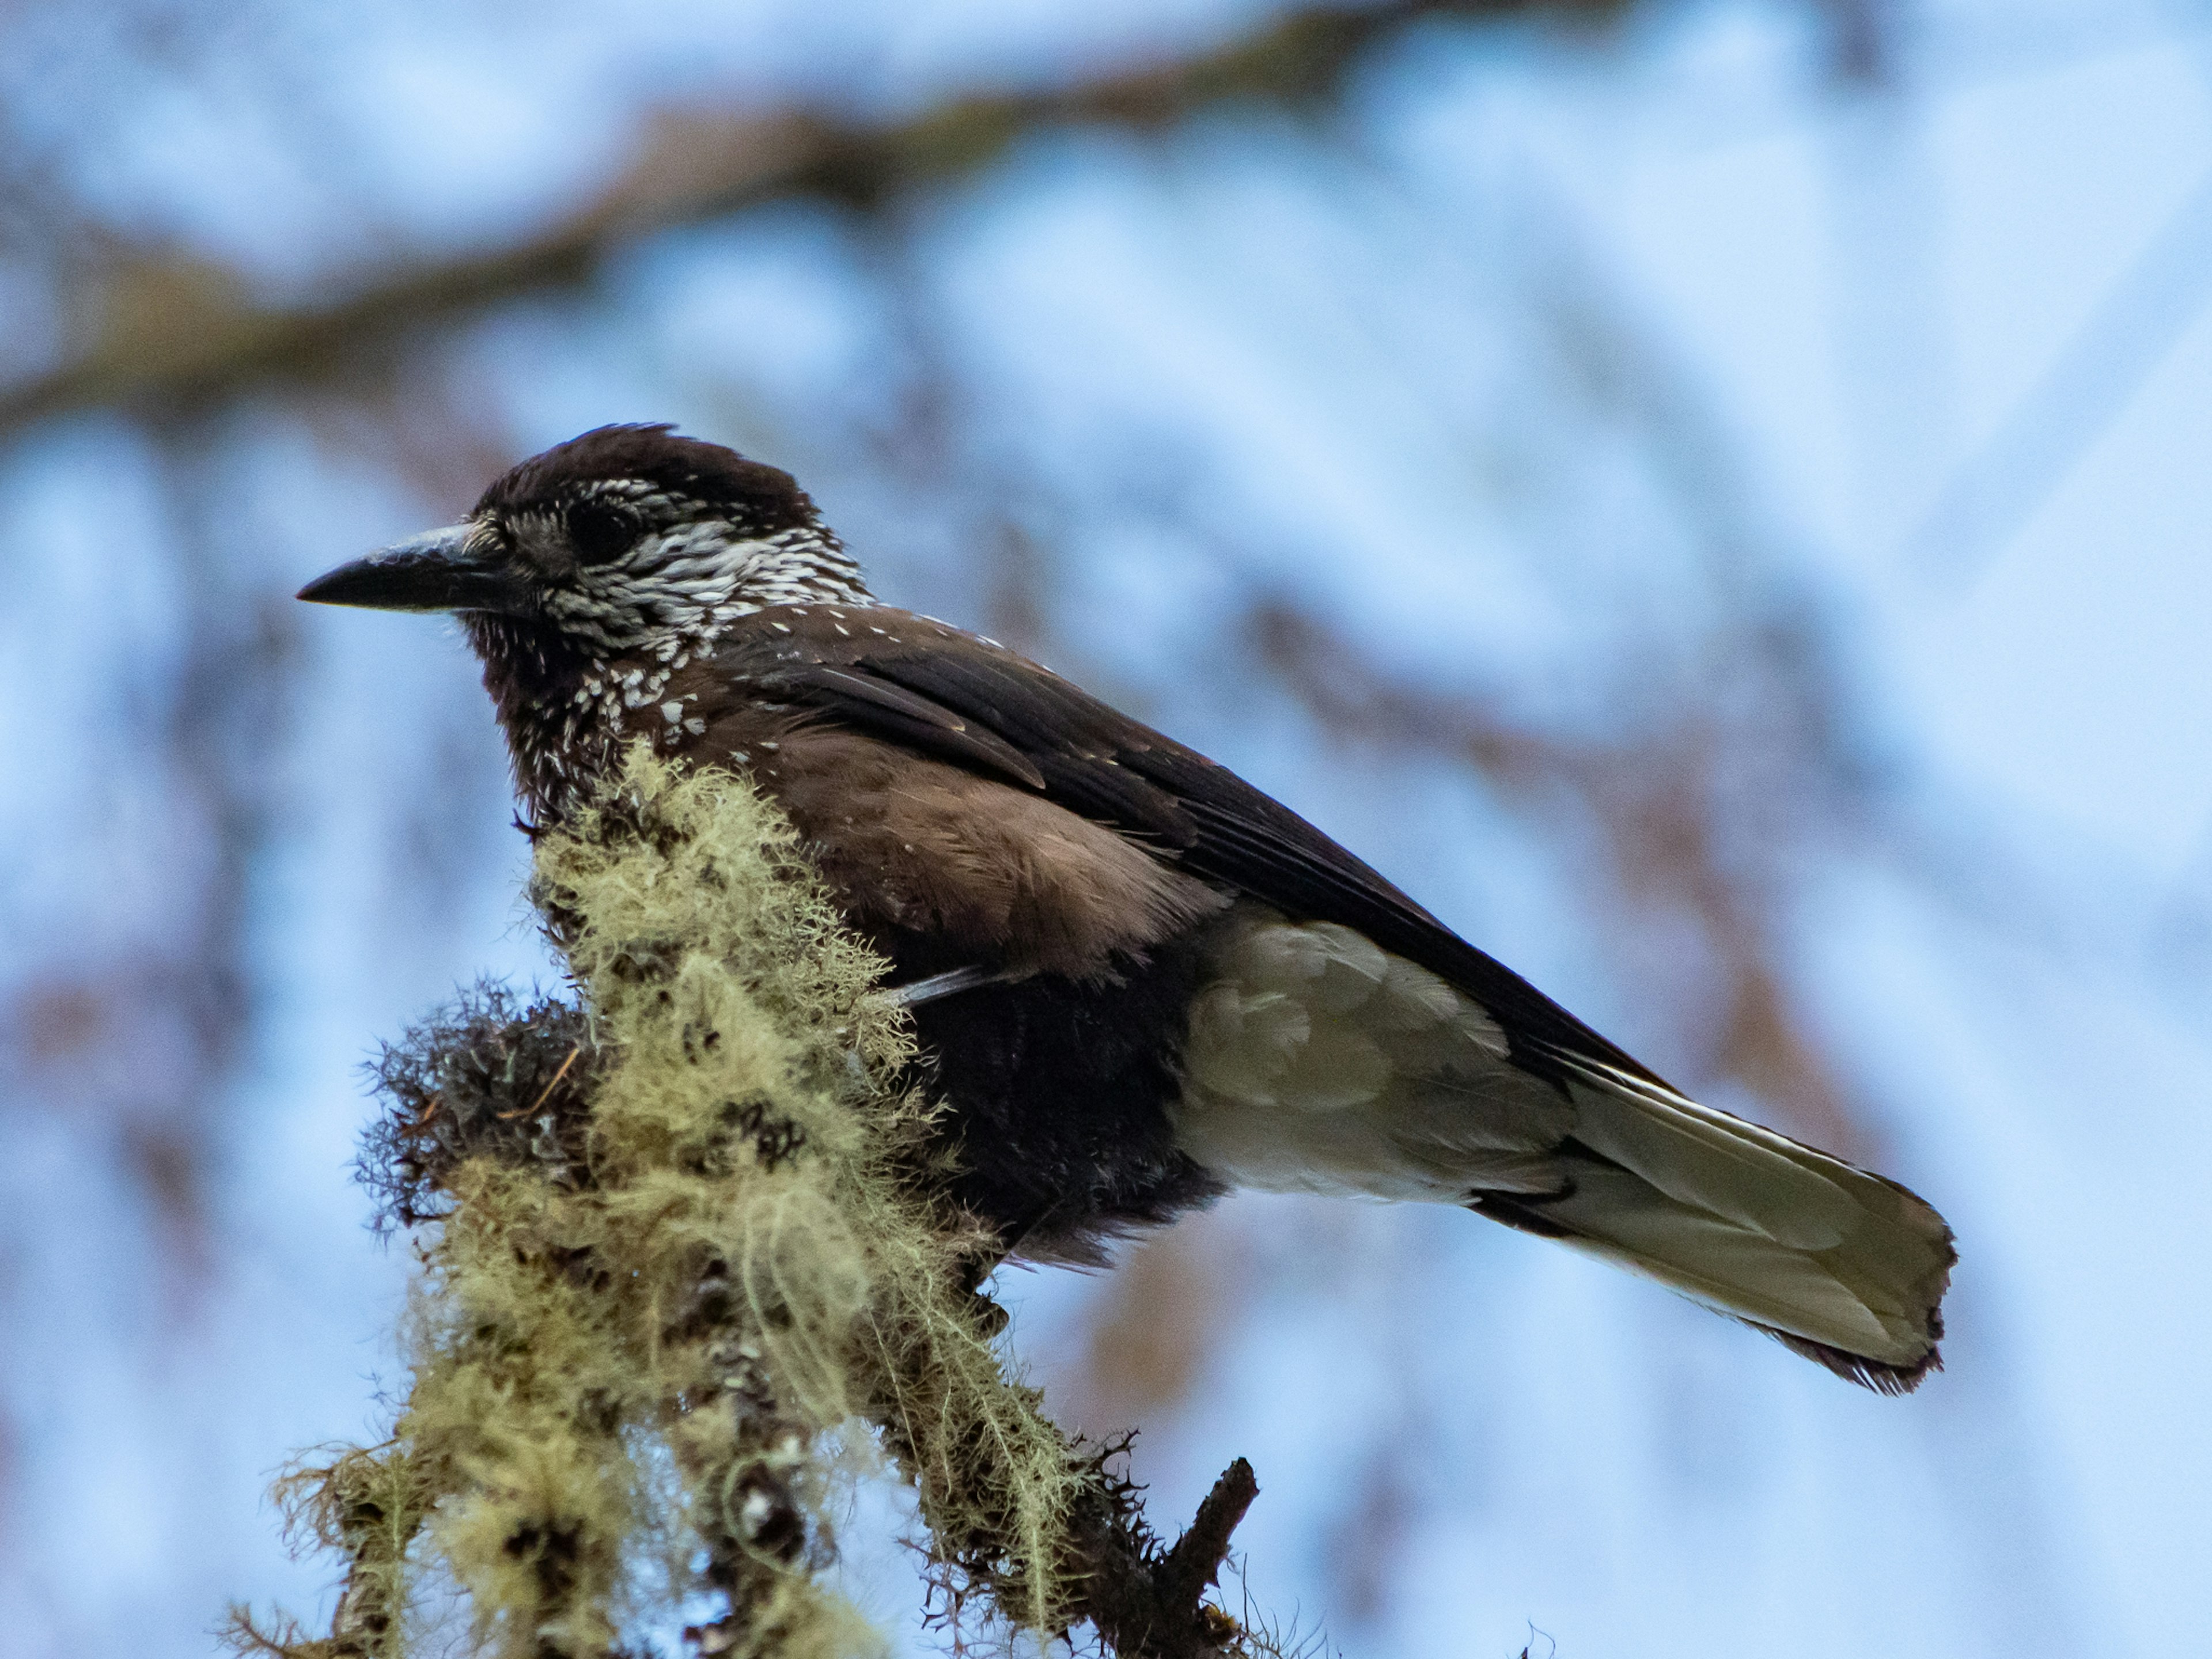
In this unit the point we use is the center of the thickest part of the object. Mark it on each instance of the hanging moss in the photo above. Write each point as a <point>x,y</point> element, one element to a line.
<point>682,1249</point>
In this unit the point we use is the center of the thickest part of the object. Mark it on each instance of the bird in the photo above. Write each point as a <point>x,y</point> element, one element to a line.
<point>1136,980</point>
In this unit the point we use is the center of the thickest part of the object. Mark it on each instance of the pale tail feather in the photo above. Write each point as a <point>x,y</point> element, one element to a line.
<point>1840,1265</point>
<point>1317,1061</point>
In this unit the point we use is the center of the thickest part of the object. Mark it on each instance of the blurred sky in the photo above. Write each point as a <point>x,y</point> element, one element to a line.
<point>1726,420</point>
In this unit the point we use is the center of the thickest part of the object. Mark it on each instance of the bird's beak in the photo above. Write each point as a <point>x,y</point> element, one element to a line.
<point>434,571</point>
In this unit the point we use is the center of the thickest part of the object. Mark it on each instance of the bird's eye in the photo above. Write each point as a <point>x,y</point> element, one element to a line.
<point>598,531</point>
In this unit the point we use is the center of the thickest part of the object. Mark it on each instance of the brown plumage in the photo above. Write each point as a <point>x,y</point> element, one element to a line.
<point>1137,979</point>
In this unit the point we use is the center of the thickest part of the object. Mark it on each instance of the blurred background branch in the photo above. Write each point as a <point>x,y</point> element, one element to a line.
<point>175,329</point>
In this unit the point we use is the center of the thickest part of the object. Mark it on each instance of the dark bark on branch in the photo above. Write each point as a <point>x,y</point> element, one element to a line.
<point>1151,1605</point>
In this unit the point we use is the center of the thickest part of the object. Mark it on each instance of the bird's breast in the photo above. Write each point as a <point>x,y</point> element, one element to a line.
<point>979,870</point>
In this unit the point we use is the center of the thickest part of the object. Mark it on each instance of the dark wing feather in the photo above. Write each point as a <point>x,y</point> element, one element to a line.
<point>966,700</point>
<point>920,723</point>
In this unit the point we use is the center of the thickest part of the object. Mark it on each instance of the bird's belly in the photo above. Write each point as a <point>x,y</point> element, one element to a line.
<point>1057,1094</point>
<point>1317,1061</point>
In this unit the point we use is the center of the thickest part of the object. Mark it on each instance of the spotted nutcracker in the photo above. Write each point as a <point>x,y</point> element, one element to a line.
<point>1136,980</point>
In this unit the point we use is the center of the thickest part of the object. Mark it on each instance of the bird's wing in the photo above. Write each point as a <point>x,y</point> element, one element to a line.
<point>1841,1264</point>
<point>966,700</point>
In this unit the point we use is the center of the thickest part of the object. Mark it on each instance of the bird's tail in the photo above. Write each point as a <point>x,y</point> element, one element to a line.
<point>1842,1266</point>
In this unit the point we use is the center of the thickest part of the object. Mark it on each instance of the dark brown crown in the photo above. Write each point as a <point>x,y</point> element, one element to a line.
<point>754,493</point>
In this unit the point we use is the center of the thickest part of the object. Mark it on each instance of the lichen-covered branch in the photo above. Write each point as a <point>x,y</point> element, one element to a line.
<point>684,1254</point>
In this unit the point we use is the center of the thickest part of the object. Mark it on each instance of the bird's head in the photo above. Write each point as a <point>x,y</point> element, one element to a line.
<point>627,540</point>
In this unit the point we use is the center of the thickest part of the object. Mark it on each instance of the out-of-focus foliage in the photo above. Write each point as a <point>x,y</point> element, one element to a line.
<point>1702,495</point>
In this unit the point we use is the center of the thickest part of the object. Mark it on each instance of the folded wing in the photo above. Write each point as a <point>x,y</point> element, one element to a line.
<point>1348,1040</point>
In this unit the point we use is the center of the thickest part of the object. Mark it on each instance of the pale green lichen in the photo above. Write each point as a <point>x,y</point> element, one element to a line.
<point>667,1271</point>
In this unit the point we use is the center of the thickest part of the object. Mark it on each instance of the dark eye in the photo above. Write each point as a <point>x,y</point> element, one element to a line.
<point>599,531</point>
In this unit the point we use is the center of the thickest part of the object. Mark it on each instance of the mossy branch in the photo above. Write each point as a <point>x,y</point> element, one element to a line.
<point>683,1252</point>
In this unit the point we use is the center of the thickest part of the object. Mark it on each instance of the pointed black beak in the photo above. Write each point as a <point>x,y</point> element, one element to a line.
<point>436,571</point>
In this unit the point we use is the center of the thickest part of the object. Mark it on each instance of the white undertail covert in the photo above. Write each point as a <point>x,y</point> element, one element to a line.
<point>1319,1062</point>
